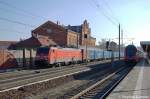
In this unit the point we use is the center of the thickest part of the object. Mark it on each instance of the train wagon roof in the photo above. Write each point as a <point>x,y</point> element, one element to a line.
<point>90,48</point>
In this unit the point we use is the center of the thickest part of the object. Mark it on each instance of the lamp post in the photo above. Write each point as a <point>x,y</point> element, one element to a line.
<point>3,56</point>
<point>119,42</point>
<point>112,47</point>
<point>77,40</point>
<point>85,37</point>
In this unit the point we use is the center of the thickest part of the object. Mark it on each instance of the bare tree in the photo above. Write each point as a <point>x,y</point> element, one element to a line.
<point>102,44</point>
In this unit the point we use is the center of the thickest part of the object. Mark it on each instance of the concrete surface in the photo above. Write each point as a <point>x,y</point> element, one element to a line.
<point>136,85</point>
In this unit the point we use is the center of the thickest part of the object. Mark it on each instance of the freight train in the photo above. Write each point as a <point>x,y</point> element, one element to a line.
<point>132,55</point>
<point>54,56</point>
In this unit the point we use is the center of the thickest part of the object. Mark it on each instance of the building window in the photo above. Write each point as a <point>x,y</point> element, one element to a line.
<point>85,36</point>
<point>49,30</point>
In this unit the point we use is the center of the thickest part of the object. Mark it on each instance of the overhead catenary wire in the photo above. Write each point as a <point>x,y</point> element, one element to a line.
<point>100,9</point>
<point>22,10</point>
<point>11,30</point>
<point>111,18</point>
<point>115,18</point>
<point>16,22</point>
<point>15,12</point>
<point>33,15</point>
<point>110,10</point>
<point>20,23</point>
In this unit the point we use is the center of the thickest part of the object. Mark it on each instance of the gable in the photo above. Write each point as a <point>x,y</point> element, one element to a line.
<point>47,28</point>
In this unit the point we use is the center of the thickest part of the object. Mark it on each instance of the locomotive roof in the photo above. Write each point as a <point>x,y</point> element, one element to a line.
<point>131,46</point>
<point>61,48</point>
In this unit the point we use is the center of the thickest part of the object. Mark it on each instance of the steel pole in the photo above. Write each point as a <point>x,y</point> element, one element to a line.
<point>119,41</point>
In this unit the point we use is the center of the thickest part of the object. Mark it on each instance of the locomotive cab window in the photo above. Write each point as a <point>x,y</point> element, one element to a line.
<point>131,51</point>
<point>42,50</point>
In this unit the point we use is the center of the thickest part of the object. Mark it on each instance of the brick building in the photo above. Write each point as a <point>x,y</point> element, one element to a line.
<point>84,32</point>
<point>66,36</point>
<point>52,34</point>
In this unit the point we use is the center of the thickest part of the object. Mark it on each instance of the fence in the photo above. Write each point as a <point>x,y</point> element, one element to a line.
<point>17,58</point>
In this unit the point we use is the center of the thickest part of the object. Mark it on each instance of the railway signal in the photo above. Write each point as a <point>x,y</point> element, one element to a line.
<point>107,44</point>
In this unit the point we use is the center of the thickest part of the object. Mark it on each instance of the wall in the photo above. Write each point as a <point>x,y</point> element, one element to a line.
<point>72,39</point>
<point>14,58</point>
<point>55,32</point>
<point>86,30</point>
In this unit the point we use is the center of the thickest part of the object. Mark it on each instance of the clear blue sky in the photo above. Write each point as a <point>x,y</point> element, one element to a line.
<point>133,15</point>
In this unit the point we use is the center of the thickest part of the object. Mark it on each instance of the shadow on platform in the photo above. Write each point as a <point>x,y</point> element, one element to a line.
<point>143,63</point>
<point>124,91</point>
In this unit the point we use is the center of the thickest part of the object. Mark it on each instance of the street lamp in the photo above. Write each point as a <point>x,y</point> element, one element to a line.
<point>78,40</point>
<point>85,37</point>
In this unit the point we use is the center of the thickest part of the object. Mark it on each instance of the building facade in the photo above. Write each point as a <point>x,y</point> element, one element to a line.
<point>66,36</point>
<point>84,34</point>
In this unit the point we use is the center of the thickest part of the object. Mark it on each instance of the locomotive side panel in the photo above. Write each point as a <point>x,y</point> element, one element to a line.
<point>64,55</point>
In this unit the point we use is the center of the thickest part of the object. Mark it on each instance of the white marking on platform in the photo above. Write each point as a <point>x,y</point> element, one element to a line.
<point>44,80</point>
<point>138,87</point>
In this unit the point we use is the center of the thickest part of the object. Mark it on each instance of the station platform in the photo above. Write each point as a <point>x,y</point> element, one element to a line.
<point>136,85</point>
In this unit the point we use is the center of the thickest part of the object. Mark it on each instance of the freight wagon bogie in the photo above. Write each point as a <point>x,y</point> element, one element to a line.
<point>41,63</point>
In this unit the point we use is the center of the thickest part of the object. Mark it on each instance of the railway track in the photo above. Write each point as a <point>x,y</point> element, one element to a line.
<point>16,73</point>
<point>23,80</point>
<point>103,87</point>
<point>10,75</point>
<point>91,79</point>
<point>28,89</point>
<point>35,77</point>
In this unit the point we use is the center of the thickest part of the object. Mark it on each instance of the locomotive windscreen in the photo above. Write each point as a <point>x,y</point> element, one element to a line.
<point>42,50</point>
<point>131,51</point>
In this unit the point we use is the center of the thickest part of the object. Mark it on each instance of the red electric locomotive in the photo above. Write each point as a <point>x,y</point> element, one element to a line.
<point>58,56</point>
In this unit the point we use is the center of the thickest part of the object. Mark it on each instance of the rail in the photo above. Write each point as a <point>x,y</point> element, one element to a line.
<point>94,89</point>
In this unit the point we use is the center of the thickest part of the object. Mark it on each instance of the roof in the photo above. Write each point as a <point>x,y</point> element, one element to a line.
<point>145,42</point>
<point>77,29</point>
<point>46,42</point>
<point>92,37</point>
<point>7,42</point>
<point>145,45</point>
<point>72,31</point>
<point>33,42</point>
<point>48,25</point>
